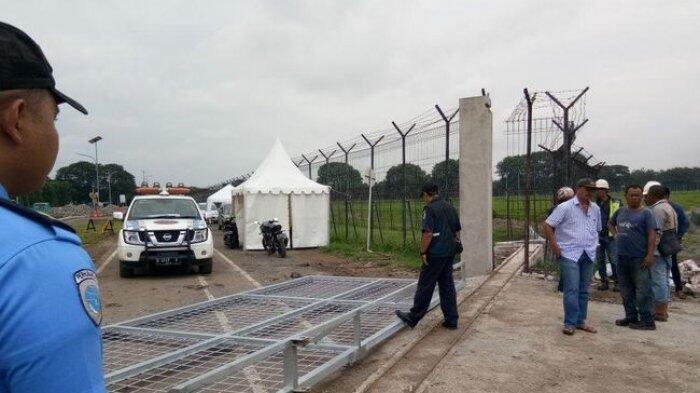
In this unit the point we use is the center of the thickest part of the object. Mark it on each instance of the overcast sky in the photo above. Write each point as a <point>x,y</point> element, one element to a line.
<point>197,91</point>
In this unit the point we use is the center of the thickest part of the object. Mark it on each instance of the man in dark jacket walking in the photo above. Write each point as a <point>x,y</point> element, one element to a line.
<point>439,245</point>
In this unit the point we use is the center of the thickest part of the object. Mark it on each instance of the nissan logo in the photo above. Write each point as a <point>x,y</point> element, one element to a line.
<point>167,237</point>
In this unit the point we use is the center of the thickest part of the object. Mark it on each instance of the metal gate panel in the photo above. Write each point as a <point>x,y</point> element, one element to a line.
<point>280,338</point>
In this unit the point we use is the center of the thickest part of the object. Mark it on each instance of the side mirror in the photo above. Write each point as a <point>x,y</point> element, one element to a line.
<point>118,216</point>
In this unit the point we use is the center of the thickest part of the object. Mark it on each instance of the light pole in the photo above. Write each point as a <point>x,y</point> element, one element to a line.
<point>109,185</point>
<point>94,141</point>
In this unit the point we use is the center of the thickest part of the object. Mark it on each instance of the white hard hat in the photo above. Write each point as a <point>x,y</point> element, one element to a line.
<point>649,185</point>
<point>565,193</point>
<point>602,183</point>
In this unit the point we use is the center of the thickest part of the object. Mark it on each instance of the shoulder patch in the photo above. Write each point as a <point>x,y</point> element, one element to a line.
<point>89,292</point>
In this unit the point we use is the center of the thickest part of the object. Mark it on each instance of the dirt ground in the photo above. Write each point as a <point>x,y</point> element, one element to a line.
<point>517,346</point>
<point>514,346</point>
<point>134,297</point>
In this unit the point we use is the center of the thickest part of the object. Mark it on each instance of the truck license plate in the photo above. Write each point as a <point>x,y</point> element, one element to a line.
<point>167,261</point>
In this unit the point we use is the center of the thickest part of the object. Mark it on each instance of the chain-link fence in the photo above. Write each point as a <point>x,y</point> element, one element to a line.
<point>398,161</point>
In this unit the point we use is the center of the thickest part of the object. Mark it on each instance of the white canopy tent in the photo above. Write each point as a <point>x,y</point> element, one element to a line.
<point>277,189</point>
<point>223,196</point>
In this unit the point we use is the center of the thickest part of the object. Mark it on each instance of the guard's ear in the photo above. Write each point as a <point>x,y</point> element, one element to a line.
<point>12,113</point>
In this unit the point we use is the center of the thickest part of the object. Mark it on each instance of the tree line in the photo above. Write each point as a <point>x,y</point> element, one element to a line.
<point>73,184</point>
<point>345,179</point>
<point>545,171</point>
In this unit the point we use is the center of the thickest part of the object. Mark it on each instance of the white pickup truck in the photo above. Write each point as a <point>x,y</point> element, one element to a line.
<point>164,230</point>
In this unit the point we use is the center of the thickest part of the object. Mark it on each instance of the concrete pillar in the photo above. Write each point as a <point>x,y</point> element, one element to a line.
<point>475,184</point>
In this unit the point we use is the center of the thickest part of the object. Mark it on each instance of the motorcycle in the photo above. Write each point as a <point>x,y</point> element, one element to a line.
<point>273,237</point>
<point>230,233</point>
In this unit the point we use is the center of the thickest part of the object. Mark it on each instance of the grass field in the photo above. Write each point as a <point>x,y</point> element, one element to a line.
<point>387,224</point>
<point>90,237</point>
<point>688,199</point>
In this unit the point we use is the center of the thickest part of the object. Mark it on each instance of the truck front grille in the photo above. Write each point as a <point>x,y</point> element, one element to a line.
<point>167,236</point>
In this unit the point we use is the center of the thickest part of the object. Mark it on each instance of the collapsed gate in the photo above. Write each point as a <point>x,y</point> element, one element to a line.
<point>280,338</point>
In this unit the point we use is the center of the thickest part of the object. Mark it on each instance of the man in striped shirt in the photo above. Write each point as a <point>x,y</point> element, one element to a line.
<point>577,223</point>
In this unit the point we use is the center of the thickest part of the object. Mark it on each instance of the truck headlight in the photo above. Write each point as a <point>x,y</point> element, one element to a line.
<point>200,235</point>
<point>132,237</point>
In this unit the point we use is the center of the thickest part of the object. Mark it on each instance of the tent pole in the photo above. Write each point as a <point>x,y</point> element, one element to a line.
<point>289,214</point>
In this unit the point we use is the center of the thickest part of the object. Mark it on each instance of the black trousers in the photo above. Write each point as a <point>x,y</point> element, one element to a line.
<point>676,273</point>
<point>437,271</point>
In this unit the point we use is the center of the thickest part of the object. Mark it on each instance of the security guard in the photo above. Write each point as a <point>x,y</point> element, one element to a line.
<point>439,244</point>
<point>50,309</point>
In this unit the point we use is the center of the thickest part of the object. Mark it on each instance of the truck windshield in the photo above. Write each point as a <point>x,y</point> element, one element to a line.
<point>163,208</point>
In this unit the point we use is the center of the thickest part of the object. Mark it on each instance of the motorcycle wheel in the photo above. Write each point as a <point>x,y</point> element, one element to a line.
<point>269,248</point>
<point>282,251</point>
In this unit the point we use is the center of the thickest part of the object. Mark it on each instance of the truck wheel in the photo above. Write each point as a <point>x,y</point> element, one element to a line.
<point>125,272</point>
<point>206,267</point>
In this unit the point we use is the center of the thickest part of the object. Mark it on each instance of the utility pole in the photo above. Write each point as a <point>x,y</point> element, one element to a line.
<point>109,186</point>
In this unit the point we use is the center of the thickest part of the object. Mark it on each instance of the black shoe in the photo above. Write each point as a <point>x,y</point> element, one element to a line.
<point>603,286</point>
<point>615,288</point>
<point>450,326</point>
<point>625,322</point>
<point>643,325</point>
<point>406,318</point>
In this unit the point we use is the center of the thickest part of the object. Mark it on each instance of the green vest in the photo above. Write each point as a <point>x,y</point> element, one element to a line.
<point>614,205</point>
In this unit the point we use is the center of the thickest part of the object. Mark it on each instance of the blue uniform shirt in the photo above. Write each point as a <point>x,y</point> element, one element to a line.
<point>50,310</point>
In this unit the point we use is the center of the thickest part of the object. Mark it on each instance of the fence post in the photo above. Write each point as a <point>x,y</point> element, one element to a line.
<point>568,129</point>
<point>447,145</point>
<point>370,179</point>
<point>347,183</point>
<point>403,173</point>
<point>327,157</point>
<point>309,162</point>
<point>528,158</point>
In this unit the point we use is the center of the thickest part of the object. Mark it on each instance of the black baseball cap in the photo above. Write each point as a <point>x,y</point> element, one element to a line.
<point>429,188</point>
<point>24,66</point>
<point>587,183</point>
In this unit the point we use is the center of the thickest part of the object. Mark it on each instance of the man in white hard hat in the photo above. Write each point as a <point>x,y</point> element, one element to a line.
<point>606,248</point>
<point>647,186</point>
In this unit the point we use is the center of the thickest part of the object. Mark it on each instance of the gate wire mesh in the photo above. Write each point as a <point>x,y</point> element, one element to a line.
<point>251,332</point>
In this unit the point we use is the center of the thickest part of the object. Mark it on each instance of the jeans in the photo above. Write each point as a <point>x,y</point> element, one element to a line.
<point>607,247</point>
<point>659,279</point>
<point>635,288</point>
<point>576,277</point>
<point>437,271</point>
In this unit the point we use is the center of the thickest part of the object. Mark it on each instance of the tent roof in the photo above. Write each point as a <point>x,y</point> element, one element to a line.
<point>222,196</point>
<point>278,174</point>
